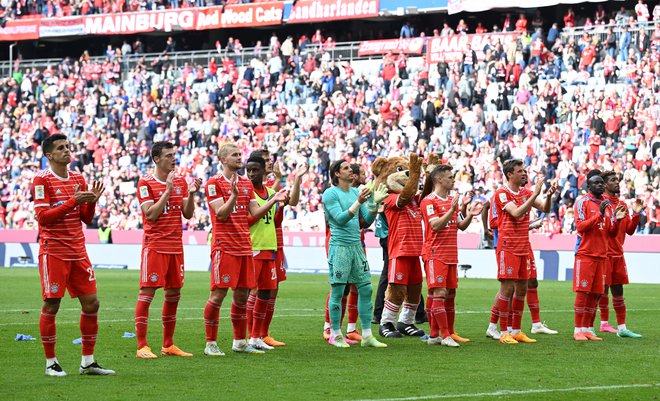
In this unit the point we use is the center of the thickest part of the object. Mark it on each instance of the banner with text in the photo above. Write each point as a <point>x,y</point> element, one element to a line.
<point>327,10</point>
<point>140,22</point>
<point>20,30</point>
<point>396,46</point>
<point>58,27</point>
<point>256,14</point>
<point>451,49</point>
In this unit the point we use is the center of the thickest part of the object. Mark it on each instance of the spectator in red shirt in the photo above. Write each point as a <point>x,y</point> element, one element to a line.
<point>521,24</point>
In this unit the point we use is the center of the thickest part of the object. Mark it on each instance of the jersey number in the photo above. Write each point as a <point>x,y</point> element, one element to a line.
<point>91,274</point>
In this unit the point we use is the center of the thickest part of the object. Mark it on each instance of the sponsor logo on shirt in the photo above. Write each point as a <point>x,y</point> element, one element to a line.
<point>58,192</point>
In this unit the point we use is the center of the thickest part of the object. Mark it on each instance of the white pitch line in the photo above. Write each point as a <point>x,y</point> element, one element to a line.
<point>31,323</point>
<point>515,392</point>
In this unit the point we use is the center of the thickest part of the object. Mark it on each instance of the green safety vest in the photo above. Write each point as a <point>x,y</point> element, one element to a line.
<point>262,233</point>
<point>104,235</point>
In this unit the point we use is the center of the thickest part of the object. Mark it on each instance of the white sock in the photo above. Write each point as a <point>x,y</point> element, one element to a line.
<point>238,344</point>
<point>591,329</point>
<point>390,311</point>
<point>515,331</point>
<point>577,330</point>
<point>509,329</point>
<point>211,342</point>
<point>537,324</point>
<point>408,314</point>
<point>87,360</point>
<point>335,333</point>
<point>622,327</point>
<point>326,325</point>
<point>584,329</point>
<point>50,361</point>
<point>492,326</point>
<point>366,333</point>
<point>602,322</point>
<point>503,332</point>
<point>351,327</point>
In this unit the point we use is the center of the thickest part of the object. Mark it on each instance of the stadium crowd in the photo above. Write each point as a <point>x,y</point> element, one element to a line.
<point>562,105</point>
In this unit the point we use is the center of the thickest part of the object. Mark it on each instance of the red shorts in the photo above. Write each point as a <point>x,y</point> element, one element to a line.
<point>589,274</point>
<point>440,274</point>
<point>161,270</point>
<point>76,276</point>
<point>280,265</point>
<point>512,267</point>
<point>265,274</point>
<point>231,271</point>
<point>406,270</point>
<point>617,272</point>
<point>531,266</point>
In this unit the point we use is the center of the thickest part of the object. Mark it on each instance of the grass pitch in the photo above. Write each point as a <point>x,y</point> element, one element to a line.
<point>555,368</point>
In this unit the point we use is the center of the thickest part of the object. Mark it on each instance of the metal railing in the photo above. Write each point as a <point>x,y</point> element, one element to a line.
<point>344,50</point>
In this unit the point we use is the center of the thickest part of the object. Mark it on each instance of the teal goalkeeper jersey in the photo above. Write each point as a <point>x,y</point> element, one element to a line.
<point>344,229</point>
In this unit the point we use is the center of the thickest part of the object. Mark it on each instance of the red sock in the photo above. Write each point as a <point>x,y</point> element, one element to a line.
<point>211,320</point>
<point>239,320</point>
<point>441,316</point>
<point>533,304</point>
<point>494,313</point>
<point>89,328</point>
<point>619,306</point>
<point>352,305</point>
<point>604,306</point>
<point>142,318</point>
<point>433,323</point>
<point>503,307</point>
<point>270,310</point>
<point>579,306</point>
<point>344,300</point>
<point>258,318</point>
<point>590,310</point>
<point>517,307</point>
<point>327,312</point>
<point>169,319</point>
<point>451,313</point>
<point>48,333</point>
<point>250,310</point>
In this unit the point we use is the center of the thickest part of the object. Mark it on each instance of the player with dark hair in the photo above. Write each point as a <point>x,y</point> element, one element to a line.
<point>164,198</point>
<point>616,273</point>
<point>442,221</point>
<point>61,201</point>
<point>512,204</point>
<point>231,199</point>
<point>347,261</point>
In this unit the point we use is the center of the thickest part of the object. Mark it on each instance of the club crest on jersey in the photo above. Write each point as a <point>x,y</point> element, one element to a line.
<point>153,277</point>
<point>226,278</point>
<point>509,270</point>
<point>177,190</point>
<point>439,279</point>
<point>54,288</point>
<point>584,283</point>
<point>39,192</point>
<point>245,191</point>
<point>212,191</point>
<point>144,191</point>
<point>399,276</point>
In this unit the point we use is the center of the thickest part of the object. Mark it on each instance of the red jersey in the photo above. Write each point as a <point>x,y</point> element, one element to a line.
<point>625,226</point>
<point>440,245</point>
<point>592,227</point>
<point>513,234</point>
<point>59,215</point>
<point>163,235</point>
<point>405,227</point>
<point>233,234</point>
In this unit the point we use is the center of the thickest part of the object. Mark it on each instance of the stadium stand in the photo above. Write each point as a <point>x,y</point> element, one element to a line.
<point>582,94</point>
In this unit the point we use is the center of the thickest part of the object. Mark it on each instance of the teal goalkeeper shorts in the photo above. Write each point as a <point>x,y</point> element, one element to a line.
<point>348,264</point>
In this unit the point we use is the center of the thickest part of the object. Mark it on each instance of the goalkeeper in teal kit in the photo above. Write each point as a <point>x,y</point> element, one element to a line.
<point>347,261</point>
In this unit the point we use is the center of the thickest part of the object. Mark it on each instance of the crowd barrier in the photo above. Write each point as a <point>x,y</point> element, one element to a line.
<point>306,254</point>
